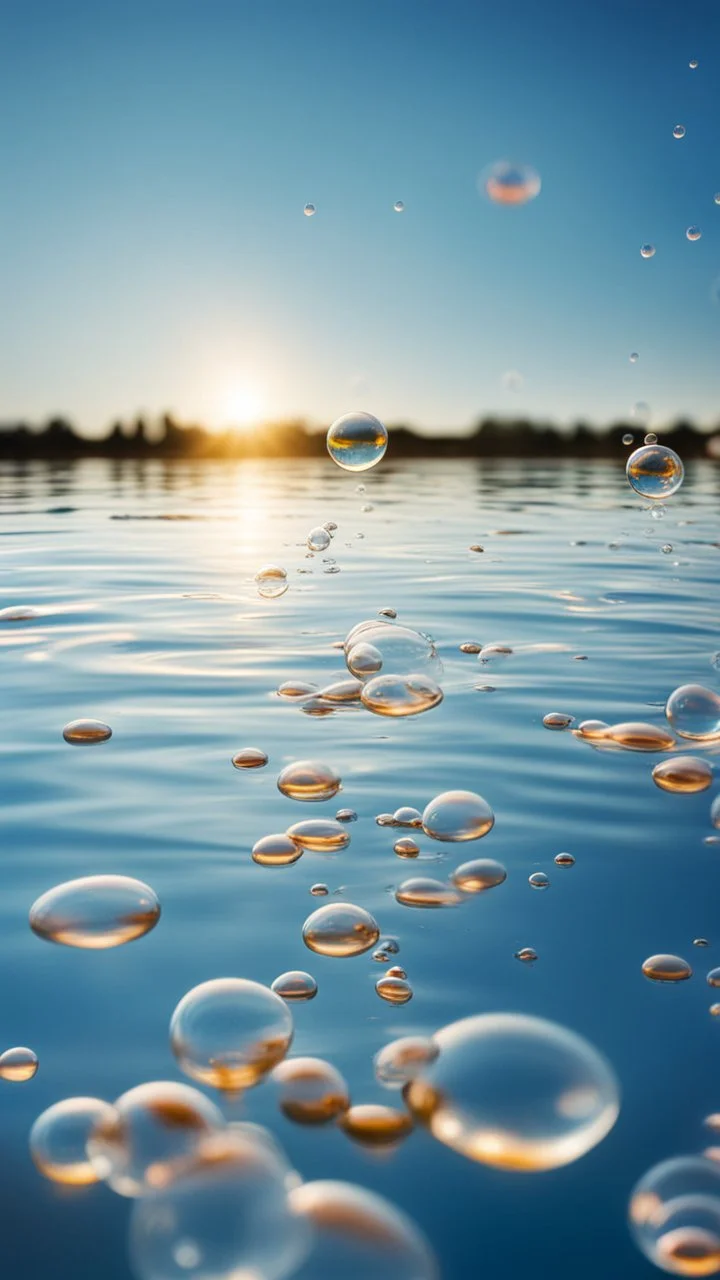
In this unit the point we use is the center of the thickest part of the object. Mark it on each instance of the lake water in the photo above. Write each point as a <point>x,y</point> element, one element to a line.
<point>149,618</point>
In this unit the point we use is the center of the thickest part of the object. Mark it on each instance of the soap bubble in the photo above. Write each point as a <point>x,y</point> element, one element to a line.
<point>95,912</point>
<point>399,206</point>
<point>694,712</point>
<point>364,660</point>
<point>340,929</point>
<point>647,251</point>
<point>295,985</point>
<point>655,472</point>
<point>308,780</point>
<point>516,1092</point>
<point>18,1065</point>
<point>309,210</point>
<point>277,850</point>
<point>693,233</point>
<point>83,733</point>
<point>423,891</point>
<point>357,441</point>
<point>510,184</point>
<point>674,1216</point>
<point>320,835</point>
<point>394,990</point>
<point>357,1234</point>
<point>318,539</point>
<point>666,968</point>
<point>403,651</point>
<point>679,131</point>
<point>401,1060</point>
<point>479,875</point>
<point>271,581</point>
<point>683,774</point>
<point>229,1032</point>
<point>628,438</point>
<point>58,1140</point>
<point>457,815</point>
<point>311,1090</point>
<point>373,1124</point>
<point>634,357</point>
<point>391,695</point>
<point>250,758</point>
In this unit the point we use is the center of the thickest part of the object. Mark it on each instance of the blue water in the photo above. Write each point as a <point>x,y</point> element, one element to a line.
<point>142,576</point>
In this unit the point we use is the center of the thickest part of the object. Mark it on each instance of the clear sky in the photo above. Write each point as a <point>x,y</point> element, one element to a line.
<point>156,156</point>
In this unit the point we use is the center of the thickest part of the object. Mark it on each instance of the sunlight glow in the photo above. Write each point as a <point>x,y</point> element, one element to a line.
<point>243,405</point>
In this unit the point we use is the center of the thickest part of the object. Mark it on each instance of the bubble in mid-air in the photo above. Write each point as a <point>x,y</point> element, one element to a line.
<point>713,978</point>
<point>18,1065</point>
<point>277,850</point>
<point>478,875</point>
<point>358,1234</point>
<point>407,816</point>
<point>394,990</point>
<point>510,184</point>
<point>679,131</point>
<point>564,860</point>
<point>674,1216</point>
<point>457,815</point>
<point>538,880</point>
<point>527,954</point>
<point>635,735</point>
<point>271,581</point>
<point>422,891</point>
<point>250,758</point>
<point>320,835</point>
<point>650,438</point>
<point>693,64</point>
<point>655,472</point>
<point>311,1090</point>
<point>319,890</point>
<point>647,251</point>
<point>406,847</point>
<point>95,912</point>
<point>83,733</point>
<point>309,210</point>
<point>373,1124</point>
<point>59,1137</point>
<point>318,539</point>
<point>391,695</point>
<point>694,712</point>
<point>683,773</point>
<point>295,985</point>
<point>340,929</point>
<point>693,233</point>
<point>666,968</point>
<point>634,357</point>
<point>308,780</point>
<point>399,206</point>
<point>357,441</point>
<point>229,1032</point>
<point>628,438</point>
<point>402,1059</point>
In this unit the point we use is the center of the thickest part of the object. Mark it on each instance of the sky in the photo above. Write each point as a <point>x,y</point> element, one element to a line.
<point>156,157</point>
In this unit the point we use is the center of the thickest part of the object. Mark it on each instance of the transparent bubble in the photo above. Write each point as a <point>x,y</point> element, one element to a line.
<point>250,758</point>
<point>713,978</point>
<point>667,549</point>
<point>715,1010</point>
<point>357,441</point>
<point>679,131</point>
<point>229,1032</point>
<point>457,815</point>
<point>296,689</point>
<point>385,820</point>
<point>381,956</point>
<point>422,891</point>
<point>309,210</point>
<point>95,912</point>
<point>364,660</point>
<point>308,780</point>
<point>516,1092</point>
<point>650,438</point>
<point>694,712</point>
<point>655,472</point>
<point>311,1090</point>
<point>399,207</point>
<point>346,815</point>
<point>23,612</point>
<point>58,1140</point>
<point>406,847</point>
<point>390,695</point>
<point>557,720</point>
<point>402,1059</point>
<point>83,733</point>
<point>628,438</point>
<point>683,773</point>
<point>564,860</point>
<point>666,968</point>
<point>295,985</point>
<point>538,880</point>
<point>635,735</point>
<point>149,1135</point>
<point>693,233</point>
<point>406,816</point>
<point>634,357</point>
<point>674,1216</point>
<point>693,64</point>
<point>318,539</point>
<point>470,646</point>
<point>700,942</point>
<point>321,835</point>
<point>277,850</point>
<point>479,875</point>
<point>340,929</point>
<point>373,1124</point>
<point>647,251</point>
<point>18,1065</point>
<point>715,811</point>
<point>342,691</point>
<point>319,890</point>
<point>527,954</point>
<point>394,990</point>
<point>591,729</point>
<point>402,650</point>
<point>271,581</point>
<point>387,613</point>
<point>227,1217</point>
<point>396,971</point>
<point>358,1234</point>
<point>510,184</point>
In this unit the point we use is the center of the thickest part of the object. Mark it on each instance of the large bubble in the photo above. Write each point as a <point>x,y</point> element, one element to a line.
<point>456,816</point>
<point>400,651</point>
<point>358,1235</point>
<point>655,472</point>
<point>229,1032</point>
<point>95,912</point>
<point>694,712</point>
<point>674,1216</point>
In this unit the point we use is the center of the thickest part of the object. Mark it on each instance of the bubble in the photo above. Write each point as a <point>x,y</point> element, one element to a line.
<point>650,438</point>
<point>357,1234</point>
<point>296,689</point>
<point>457,815</point>
<point>319,890</point>
<point>250,758</point>
<point>470,646</point>
<point>317,707</point>
<point>422,891</point>
<point>406,816</point>
<point>340,929</point>
<point>476,547</point>
<point>479,875</point>
<point>406,847</point>
<point>83,733</point>
<point>674,1216</point>
<point>647,251</point>
<point>346,815</point>
<point>311,1090</point>
<point>564,860</point>
<point>538,880</point>
<point>510,184</point>
<point>634,357</point>
<point>679,131</point>
<point>628,438</point>
<point>515,1092</point>
<point>390,695</point>
<point>715,1010</point>
<point>227,1217</point>
<point>655,472</point>
<point>342,691</point>
<point>693,233</point>
<point>20,612</point>
<point>59,1136</point>
<point>683,773</point>
<point>330,526</point>
<point>386,613</point>
<point>318,539</point>
<point>381,956</point>
<point>229,1032</point>
<point>364,660</point>
<point>494,651</point>
<point>308,780</point>
<point>401,1060</point>
<point>396,971</point>
<point>385,820</point>
<point>321,835</point>
<point>716,197</point>
<point>591,729</point>
<point>309,210</point>
<point>635,735</point>
<point>357,441</point>
<point>277,850</point>
<point>700,942</point>
<point>399,207</point>
<point>403,651</point>
<point>18,1065</point>
<point>693,64</point>
<point>666,968</point>
<point>95,912</point>
<point>513,380</point>
<point>271,581</point>
<point>713,978</point>
<point>527,954</point>
<point>149,1134</point>
<point>667,549</point>
<point>394,990</point>
<point>557,720</point>
<point>694,712</point>
<point>295,985</point>
<point>375,1125</point>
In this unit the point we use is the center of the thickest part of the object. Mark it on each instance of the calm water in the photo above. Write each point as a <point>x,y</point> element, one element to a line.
<point>150,620</point>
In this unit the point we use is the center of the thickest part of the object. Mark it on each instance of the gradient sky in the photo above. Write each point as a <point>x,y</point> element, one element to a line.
<point>156,156</point>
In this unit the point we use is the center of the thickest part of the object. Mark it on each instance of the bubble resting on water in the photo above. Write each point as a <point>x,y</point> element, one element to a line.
<point>95,912</point>
<point>340,930</point>
<point>308,780</point>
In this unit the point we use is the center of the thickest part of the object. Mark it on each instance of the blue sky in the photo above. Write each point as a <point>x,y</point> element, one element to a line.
<point>156,156</point>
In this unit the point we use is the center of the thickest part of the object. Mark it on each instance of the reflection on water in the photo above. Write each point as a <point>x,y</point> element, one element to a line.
<point>133,602</point>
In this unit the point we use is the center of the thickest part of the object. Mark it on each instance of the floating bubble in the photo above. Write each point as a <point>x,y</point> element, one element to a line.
<point>340,929</point>
<point>364,660</point>
<point>538,880</point>
<point>317,707</point>
<point>406,816</point>
<point>470,646</point>
<point>311,1090</point>
<point>422,891</point>
<point>250,758</point>
<point>713,978</point>
<point>318,539</point>
<point>149,1134</point>
<point>564,860</point>
<point>715,1010</point>
<point>390,695</point>
<point>308,780</point>
<point>700,942</point>
<point>655,472</point>
<point>319,890</point>
<point>357,1234</point>
<point>346,815</point>
<point>321,835</point>
<point>399,207</point>
<point>387,613</point>
<point>394,990</point>
<point>557,720</point>
<point>494,651</point>
<point>457,815</point>
<point>58,1140</point>
<point>271,581</point>
<point>83,733</point>
<point>402,650</point>
<point>229,1032</point>
<point>510,184</point>
<point>694,712</point>
<point>674,1216</point>
<point>18,1065</point>
<point>401,1060</point>
<point>296,689</point>
<point>693,64</point>
<point>309,210</point>
<point>527,954</point>
<point>666,968</point>
<point>635,735</point>
<point>277,850</point>
<point>227,1217</point>
<point>295,985</point>
<point>19,613</point>
<point>650,438</point>
<point>591,729</point>
<point>385,820</point>
<point>628,438</point>
<point>683,773</point>
<point>478,875</point>
<point>515,1092</point>
<point>634,357</point>
<point>647,251</point>
<point>95,912</point>
<point>342,691</point>
<point>406,847</point>
<point>679,131</point>
<point>396,971</point>
<point>381,956</point>
<point>375,1125</point>
<point>357,441</point>
<point>693,233</point>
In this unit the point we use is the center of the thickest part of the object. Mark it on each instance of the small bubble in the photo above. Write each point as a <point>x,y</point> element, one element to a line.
<point>296,689</point>
<point>666,968</point>
<point>538,880</point>
<point>527,954</point>
<point>250,758</point>
<point>422,891</point>
<point>647,251</point>
<point>713,978</point>
<point>470,646</point>
<point>634,357</point>
<point>399,207</point>
<point>394,990</point>
<point>308,780</point>
<point>510,184</point>
<point>479,875</point>
<point>456,816</point>
<point>650,438</point>
<point>311,1090</point>
<point>364,660</point>
<point>591,729</point>
<point>319,890</point>
<point>715,1010</point>
<point>340,930</point>
<point>667,549</point>
<point>18,1065</point>
<point>683,773</point>
<point>391,945</point>
<point>628,438</point>
<point>277,850</point>
<point>375,1125</point>
<point>385,820</point>
<point>564,860</point>
<point>95,912</point>
<point>309,210</point>
<point>320,835</point>
<point>476,547</point>
<point>295,985</point>
<point>700,942</point>
<point>330,526</point>
<point>271,581</point>
<point>381,957</point>
<point>401,1060</point>
<point>693,64</point>
<point>391,695</point>
<point>693,233</point>
<point>82,733</point>
<point>229,1032</point>
<point>357,441</point>
<point>679,131</point>
<point>694,712</point>
<point>58,1140</point>
<point>558,720</point>
<point>318,539</point>
<point>406,847</point>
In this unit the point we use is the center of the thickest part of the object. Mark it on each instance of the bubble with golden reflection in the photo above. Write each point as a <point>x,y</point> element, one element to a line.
<point>510,184</point>
<point>312,1091</point>
<point>394,990</point>
<point>478,875</point>
<point>591,730</point>
<point>373,1124</point>
<point>406,816</point>
<point>694,712</point>
<point>340,929</point>
<point>647,251</point>
<point>528,955</point>
<point>406,847</point>
<point>229,1032</point>
<point>666,968</point>
<point>277,850</point>
<point>83,733</point>
<point>320,835</point>
<point>271,581</point>
<point>59,1137</point>
<point>319,890</point>
<point>398,1062</point>
<point>557,720</point>
<point>457,815</point>
<point>655,472</point>
<point>95,912</point>
<point>295,985</point>
<point>18,1065</point>
<point>423,891</point>
<point>357,441</point>
<point>538,880</point>
<point>635,735</point>
<point>390,695</point>
<point>674,1216</point>
<point>250,758</point>
<point>364,660</point>
<point>357,1234</point>
<point>683,773</point>
<point>564,860</point>
<point>308,780</point>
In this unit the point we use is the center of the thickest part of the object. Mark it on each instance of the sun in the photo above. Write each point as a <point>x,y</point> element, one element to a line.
<point>243,405</point>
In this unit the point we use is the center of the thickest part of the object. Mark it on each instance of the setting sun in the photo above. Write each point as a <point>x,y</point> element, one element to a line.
<point>243,405</point>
